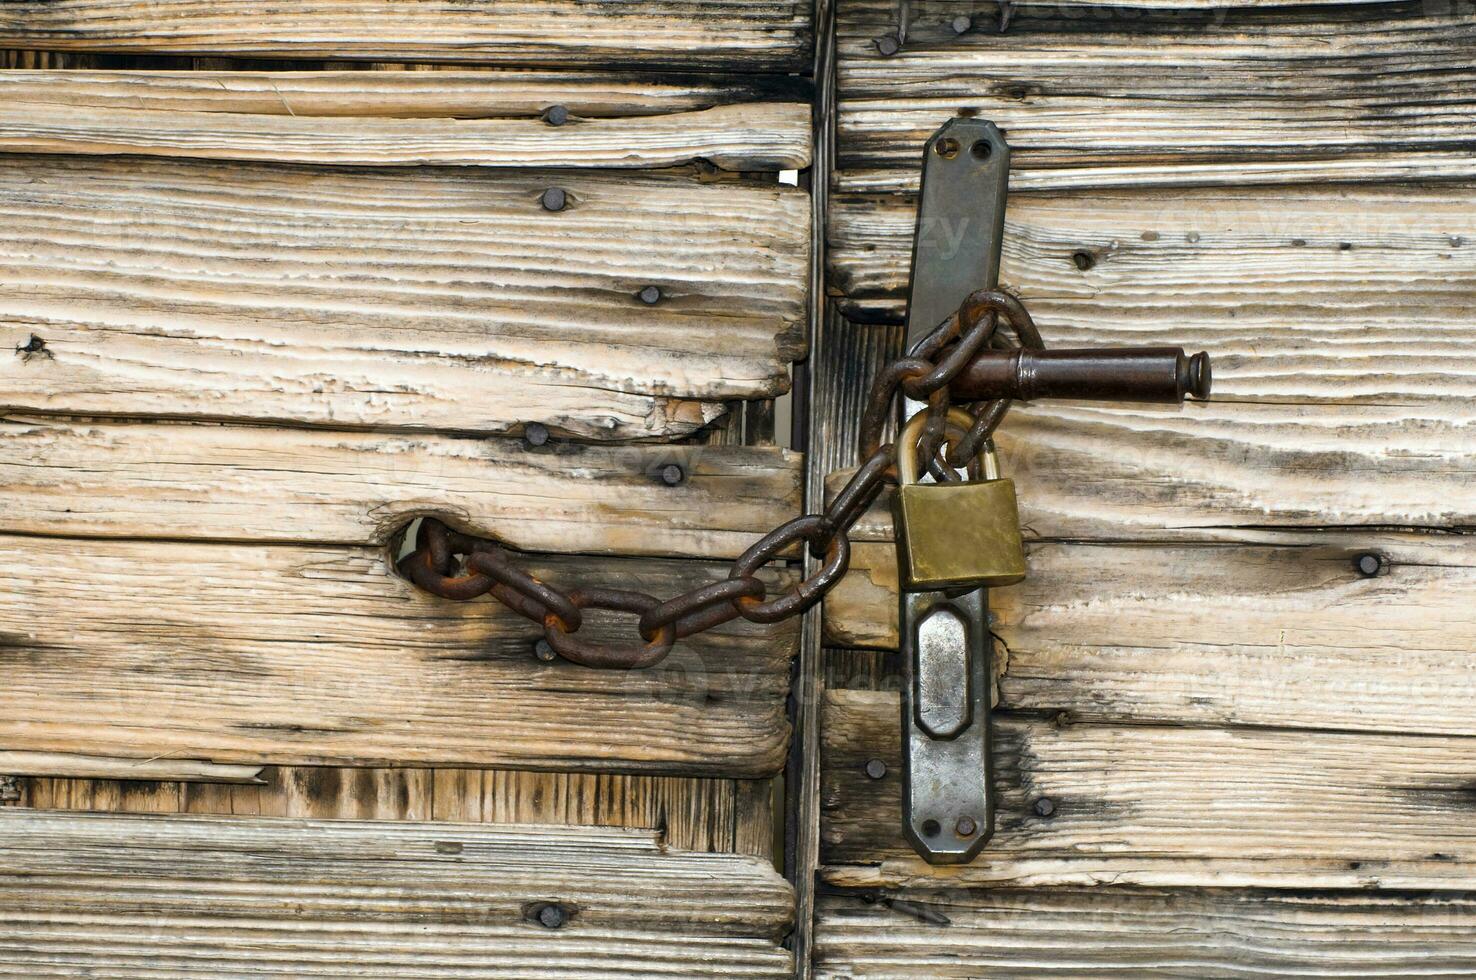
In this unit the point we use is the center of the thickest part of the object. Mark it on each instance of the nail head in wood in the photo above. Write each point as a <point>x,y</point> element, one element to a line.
<point>1368,564</point>
<point>554,199</point>
<point>875,768</point>
<point>650,295</point>
<point>535,434</point>
<point>556,115</point>
<point>552,916</point>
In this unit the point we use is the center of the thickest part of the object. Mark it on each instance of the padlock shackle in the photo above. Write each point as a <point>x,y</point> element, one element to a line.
<point>1132,374</point>
<point>912,432</point>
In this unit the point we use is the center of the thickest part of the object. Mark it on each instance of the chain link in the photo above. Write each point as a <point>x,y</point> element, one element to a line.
<point>453,565</point>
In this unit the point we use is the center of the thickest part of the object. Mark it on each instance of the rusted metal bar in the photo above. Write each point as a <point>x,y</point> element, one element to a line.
<point>1137,374</point>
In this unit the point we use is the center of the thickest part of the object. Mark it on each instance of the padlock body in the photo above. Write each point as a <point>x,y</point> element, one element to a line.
<point>959,534</point>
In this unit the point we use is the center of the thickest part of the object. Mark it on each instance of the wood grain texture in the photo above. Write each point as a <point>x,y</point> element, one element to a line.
<point>1280,634</point>
<point>105,767</point>
<point>451,94</point>
<point>1132,97</point>
<point>1167,806</point>
<point>1334,294</point>
<point>1217,470</point>
<point>181,896</point>
<point>736,35</point>
<point>253,484</point>
<point>1091,934</point>
<point>303,654</point>
<point>726,815</point>
<point>760,137</point>
<point>423,298</point>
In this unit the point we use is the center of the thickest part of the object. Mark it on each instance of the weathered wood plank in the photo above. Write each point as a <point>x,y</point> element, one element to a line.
<point>758,137</point>
<point>246,483</point>
<point>1175,97</point>
<point>1282,634</point>
<point>402,94</point>
<point>1325,294</point>
<point>105,767</point>
<point>200,897</point>
<point>322,655</point>
<point>1090,934</point>
<point>424,298</point>
<point>1167,806</point>
<point>692,814</point>
<point>1215,470</point>
<point>736,35</point>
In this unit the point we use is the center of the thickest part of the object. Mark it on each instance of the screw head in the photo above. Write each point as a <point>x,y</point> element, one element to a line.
<point>650,295</point>
<point>1368,564</point>
<point>554,199</point>
<point>888,45</point>
<point>966,827</point>
<point>1044,807</point>
<point>556,115</point>
<point>552,916</point>
<point>544,652</point>
<point>875,768</point>
<point>961,24</point>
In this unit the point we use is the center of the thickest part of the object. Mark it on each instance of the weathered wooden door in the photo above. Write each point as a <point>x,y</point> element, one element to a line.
<point>263,311</point>
<point>1227,748</point>
<point>261,315</point>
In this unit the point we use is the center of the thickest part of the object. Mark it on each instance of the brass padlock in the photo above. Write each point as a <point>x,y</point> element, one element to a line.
<point>955,534</point>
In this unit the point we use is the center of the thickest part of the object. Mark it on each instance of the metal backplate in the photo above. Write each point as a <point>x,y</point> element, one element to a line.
<point>948,787</point>
<point>960,221</point>
<point>948,797</point>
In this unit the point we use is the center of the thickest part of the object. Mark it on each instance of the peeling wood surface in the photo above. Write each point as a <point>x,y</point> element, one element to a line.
<point>1276,634</point>
<point>451,94</point>
<point>1342,294</point>
<point>725,815</point>
<point>303,654</point>
<point>1166,806</point>
<point>423,298</point>
<point>736,35</point>
<point>759,137</point>
<point>245,483</point>
<point>84,892</point>
<point>1090,934</point>
<point>1133,97</point>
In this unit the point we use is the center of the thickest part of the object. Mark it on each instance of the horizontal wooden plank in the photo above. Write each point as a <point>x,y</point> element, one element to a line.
<point>1090,934</point>
<point>420,298</point>
<point>728,815</point>
<point>176,896</point>
<point>763,136</point>
<point>1215,470</point>
<point>456,94</point>
<point>322,655</point>
<point>1166,806</point>
<point>1326,294</point>
<point>737,35</point>
<point>1173,97</point>
<point>1285,634</point>
<point>249,483</point>
<point>106,767</point>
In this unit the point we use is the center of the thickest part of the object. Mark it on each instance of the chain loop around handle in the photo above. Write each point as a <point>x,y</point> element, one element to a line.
<point>458,566</point>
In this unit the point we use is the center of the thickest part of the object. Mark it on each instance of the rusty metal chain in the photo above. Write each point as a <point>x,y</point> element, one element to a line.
<point>453,565</point>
